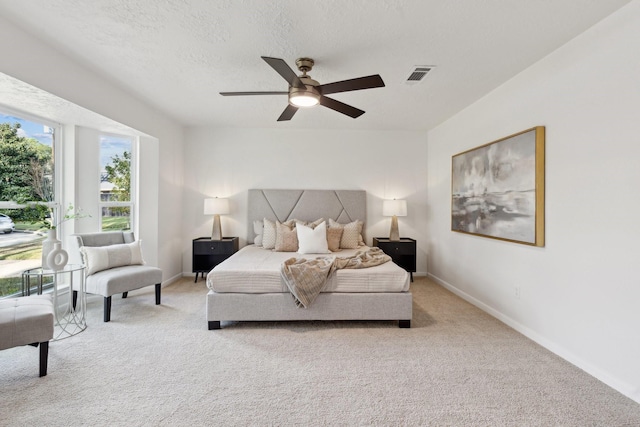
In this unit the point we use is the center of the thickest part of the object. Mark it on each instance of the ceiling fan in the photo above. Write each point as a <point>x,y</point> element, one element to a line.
<point>306,92</point>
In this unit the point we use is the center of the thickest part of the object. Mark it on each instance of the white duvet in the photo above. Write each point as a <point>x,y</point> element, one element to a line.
<point>256,270</point>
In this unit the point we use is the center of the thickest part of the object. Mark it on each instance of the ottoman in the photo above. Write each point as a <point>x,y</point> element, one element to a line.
<point>27,321</point>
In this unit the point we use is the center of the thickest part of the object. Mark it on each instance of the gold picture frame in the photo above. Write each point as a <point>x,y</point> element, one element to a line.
<point>497,189</point>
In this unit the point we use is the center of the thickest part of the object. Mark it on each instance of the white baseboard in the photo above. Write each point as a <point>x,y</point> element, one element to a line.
<point>172,279</point>
<point>613,382</point>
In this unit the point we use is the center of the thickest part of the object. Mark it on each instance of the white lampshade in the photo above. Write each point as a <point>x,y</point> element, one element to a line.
<point>394,207</point>
<point>216,206</point>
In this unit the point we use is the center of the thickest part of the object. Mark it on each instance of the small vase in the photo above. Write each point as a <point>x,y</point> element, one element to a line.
<point>57,258</point>
<point>48,245</point>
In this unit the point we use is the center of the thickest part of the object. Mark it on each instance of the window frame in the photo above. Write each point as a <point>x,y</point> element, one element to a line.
<point>56,147</point>
<point>133,190</point>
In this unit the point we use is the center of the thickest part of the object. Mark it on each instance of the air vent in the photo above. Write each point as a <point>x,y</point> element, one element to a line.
<point>418,73</point>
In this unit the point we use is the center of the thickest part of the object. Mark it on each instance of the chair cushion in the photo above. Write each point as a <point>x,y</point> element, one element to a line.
<point>122,279</point>
<point>25,320</point>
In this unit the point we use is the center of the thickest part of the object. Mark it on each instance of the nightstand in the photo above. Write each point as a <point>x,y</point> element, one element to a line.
<point>402,252</point>
<point>208,253</point>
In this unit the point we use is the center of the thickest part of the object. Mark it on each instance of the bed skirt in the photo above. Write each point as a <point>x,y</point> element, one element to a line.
<point>327,306</point>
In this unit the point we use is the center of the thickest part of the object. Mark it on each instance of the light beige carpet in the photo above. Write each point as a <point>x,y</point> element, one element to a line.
<point>159,365</point>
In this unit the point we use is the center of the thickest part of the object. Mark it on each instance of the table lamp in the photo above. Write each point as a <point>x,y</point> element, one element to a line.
<point>216,207</point>
<point>394,208</point>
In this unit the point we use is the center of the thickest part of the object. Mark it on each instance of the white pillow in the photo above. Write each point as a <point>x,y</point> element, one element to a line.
<point>258,228</point>
<point>312,240</point>
<point>100,258</point>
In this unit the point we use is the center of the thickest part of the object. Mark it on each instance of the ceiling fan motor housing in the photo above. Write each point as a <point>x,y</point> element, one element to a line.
<point>304,64</point>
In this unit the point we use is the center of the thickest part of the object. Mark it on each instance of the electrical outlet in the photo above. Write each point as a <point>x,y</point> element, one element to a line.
<point>516,291</point>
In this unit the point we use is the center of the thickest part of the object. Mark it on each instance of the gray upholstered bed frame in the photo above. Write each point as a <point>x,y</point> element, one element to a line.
<point>307,205</point>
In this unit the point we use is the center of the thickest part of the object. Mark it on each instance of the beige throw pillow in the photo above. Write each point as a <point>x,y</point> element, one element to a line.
<point>351,233</point>
<point>286,237</point>
<point>333,238</point>
<point>268,234</point>
<point>311,224</point>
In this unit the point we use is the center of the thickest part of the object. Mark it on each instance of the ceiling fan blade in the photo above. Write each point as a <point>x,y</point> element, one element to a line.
<point>285,71</point>
<point>252,93</point>
<point>368,82</point>
<point>341,107</point>
<point>287,113</point>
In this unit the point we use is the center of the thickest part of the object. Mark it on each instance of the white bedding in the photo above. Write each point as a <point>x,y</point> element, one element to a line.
<point>256,270</point>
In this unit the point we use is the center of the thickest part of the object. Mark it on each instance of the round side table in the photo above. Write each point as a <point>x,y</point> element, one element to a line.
<point>70,316</point>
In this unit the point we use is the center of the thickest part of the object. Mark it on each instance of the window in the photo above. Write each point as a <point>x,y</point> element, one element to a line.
<point>116,187</point>
<point>28,189</point>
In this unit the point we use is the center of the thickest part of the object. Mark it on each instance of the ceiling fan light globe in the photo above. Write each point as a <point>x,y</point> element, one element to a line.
<point>304,100</point>
<point>304,97</point>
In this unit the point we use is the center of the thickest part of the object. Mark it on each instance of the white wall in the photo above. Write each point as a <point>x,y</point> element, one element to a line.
<point>34,62</point>
<point>228,162</point>
<point>86,145</point>
<point>147,217</point>
<point>580,293</point>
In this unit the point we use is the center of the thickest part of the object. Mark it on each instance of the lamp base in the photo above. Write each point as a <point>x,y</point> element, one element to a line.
<point>394,233</point>
<point>216,232</point>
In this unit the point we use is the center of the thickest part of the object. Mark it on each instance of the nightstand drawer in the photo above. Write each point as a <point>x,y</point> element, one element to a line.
<point>212,247</point>
<point>394,248</point>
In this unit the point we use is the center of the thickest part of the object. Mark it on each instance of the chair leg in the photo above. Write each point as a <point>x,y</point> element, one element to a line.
<point>124,294</point>
<point>213,324</point>
<point>158,287</point>
<point>44,357</point>
<point>75,300</point>
<point>107,309</point>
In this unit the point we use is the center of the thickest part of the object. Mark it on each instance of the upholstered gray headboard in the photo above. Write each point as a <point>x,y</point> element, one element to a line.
<point>306,205</point>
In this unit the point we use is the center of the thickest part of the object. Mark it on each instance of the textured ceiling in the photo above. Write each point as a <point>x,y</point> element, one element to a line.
<point>27,98</point>
<point>178,54</point>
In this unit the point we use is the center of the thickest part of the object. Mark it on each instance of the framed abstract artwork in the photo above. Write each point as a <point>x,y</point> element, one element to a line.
<point>497,189</point>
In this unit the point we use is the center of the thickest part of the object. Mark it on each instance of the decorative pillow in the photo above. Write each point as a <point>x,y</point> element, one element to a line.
<point>100,258</point>
<point>258,227</point>
<point>312,240</point>
<point>269,234</point>
<point>351,234</point>
<point>312,224</point>
<point>286,237</point>
<point>333,238</point>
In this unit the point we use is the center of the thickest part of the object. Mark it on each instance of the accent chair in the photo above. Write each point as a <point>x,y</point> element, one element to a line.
<point>114,264</point>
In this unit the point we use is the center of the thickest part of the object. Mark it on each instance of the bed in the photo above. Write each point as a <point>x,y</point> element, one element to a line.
<point>248,286</point>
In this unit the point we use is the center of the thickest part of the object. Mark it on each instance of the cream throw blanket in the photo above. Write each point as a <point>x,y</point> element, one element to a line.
<point>305,278</point>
